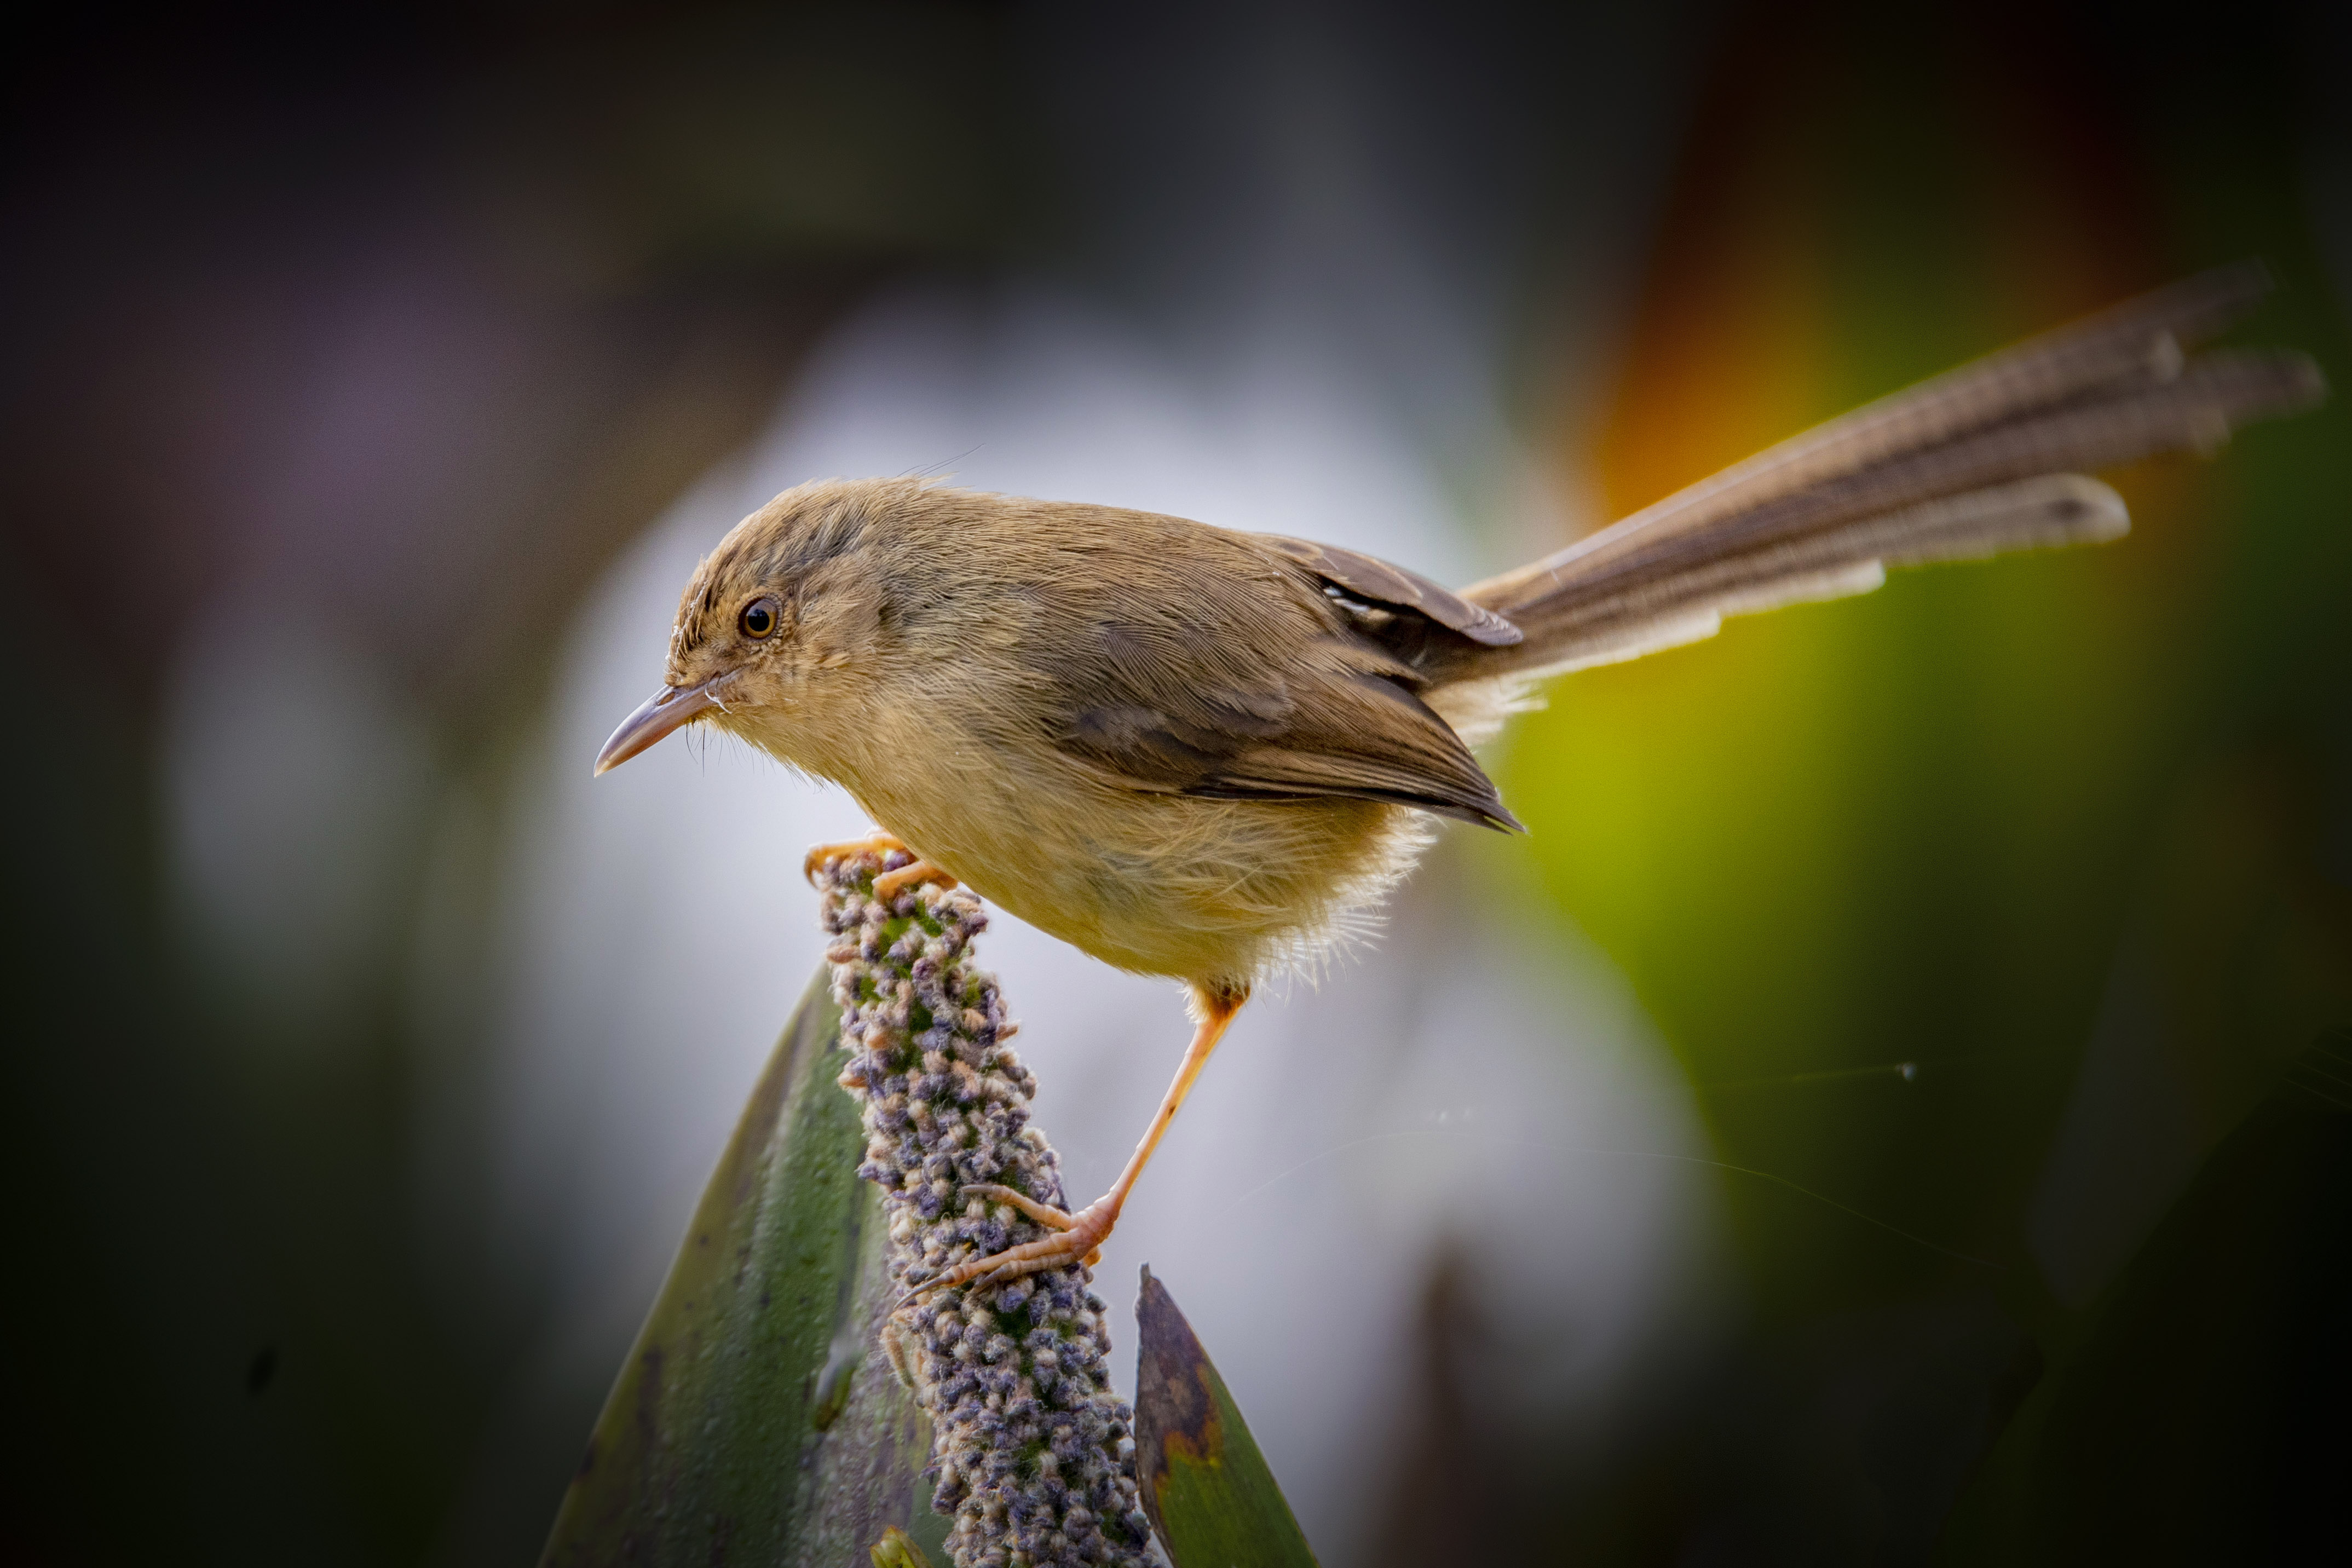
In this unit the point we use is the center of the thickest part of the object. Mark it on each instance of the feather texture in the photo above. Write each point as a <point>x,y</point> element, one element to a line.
<point>1198,753</point>
<point>1813,514</point>
<point>1349,572</point>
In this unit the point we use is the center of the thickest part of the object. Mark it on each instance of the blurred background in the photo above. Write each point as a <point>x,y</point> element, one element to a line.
<point>1874,1115</point>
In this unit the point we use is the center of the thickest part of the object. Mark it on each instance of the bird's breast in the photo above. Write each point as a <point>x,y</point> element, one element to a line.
<point>1206,891</point>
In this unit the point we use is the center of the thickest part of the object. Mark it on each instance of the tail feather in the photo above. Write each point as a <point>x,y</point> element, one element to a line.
<point>2037,513</point>
<point>1970,464</point>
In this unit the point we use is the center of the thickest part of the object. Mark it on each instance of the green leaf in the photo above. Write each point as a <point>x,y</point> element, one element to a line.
<point>755,1420</point>
<point>896,1551</point>
<point>1206,1485</point>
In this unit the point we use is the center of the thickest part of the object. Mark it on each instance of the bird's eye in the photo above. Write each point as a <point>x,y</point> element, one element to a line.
<point>759,617</point>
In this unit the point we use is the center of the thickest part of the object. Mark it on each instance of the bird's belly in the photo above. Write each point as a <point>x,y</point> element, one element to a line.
<point>1207,891</point>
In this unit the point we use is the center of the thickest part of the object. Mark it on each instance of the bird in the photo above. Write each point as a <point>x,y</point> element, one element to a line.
<point>1196,752</point>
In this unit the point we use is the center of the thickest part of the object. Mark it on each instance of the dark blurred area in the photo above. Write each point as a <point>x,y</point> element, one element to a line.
<point>1991,920</point>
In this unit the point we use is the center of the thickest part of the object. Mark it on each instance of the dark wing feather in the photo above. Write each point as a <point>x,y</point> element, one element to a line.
<point>1371,739</point>
<point>1258,687</point>
<point>1380,583</point>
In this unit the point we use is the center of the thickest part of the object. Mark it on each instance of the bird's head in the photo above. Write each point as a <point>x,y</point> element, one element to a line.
<point>783,627</point>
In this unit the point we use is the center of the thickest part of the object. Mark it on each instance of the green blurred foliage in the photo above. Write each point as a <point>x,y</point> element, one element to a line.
<point>1916,827</point>
<point>1976,818</point>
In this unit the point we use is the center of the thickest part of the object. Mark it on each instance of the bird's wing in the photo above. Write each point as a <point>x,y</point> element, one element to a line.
<point>1383,583</point>
<point>1253,688</point>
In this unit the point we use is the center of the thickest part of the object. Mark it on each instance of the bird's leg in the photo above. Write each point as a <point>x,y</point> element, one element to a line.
<point>1080,1235</point>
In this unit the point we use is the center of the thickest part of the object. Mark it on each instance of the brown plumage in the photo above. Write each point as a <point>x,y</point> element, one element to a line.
<point>1193,751</point>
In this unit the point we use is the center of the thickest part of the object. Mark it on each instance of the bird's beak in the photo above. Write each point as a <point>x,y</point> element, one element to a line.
<point>665,710</point>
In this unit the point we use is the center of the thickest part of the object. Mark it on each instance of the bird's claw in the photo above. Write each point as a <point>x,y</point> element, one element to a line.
<point>890,884</point>
<point>879,843</point>
<point>1076,1238</point>
<point>1045,1214</point>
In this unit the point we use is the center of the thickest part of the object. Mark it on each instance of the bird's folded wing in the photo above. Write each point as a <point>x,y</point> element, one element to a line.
<point>1324,715</point>
<point>1384,583</point>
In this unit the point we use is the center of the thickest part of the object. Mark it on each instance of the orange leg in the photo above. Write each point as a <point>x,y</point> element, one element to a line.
<point>1079,1236</point>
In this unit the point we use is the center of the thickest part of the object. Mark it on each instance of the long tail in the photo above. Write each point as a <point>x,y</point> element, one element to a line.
<point>1986,458</point>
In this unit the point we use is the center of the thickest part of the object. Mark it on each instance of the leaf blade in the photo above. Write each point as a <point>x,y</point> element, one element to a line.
<point>754,1420</point>
<point>1206,1485</point>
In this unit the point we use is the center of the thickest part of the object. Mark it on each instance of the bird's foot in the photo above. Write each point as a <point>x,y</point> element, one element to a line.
<point>888,885</point>
<point>1077,1238</point>
<point>879,843</point>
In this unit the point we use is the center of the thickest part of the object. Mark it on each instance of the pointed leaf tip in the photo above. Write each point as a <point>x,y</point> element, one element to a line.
<point>1206,1487</point>
<point>749,1365</point>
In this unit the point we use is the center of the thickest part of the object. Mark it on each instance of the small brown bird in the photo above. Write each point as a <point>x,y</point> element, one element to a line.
<point>1191,751</point>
